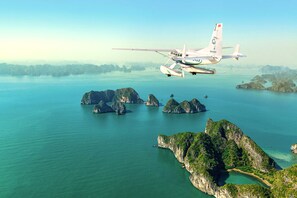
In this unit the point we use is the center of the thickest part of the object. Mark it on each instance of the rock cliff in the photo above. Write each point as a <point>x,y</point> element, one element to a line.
<point>102,107</point>
<point>152,101</point>
<point>119,108</point>
<point>127,95</point>
<point>294,148</point>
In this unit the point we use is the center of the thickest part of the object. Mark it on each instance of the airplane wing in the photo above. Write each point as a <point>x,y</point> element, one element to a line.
<point>157,50</point>
<point>146,50</point>
<point>197,49</point>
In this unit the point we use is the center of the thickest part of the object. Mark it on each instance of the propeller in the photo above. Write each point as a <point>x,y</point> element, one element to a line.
<point>184,53</point>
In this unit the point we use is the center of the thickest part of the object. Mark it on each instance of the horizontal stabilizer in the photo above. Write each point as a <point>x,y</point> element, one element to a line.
<point>233,56</point>
<point>236,54</point>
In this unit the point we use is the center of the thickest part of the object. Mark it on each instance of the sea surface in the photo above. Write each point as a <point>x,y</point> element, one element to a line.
<point>51,146</point>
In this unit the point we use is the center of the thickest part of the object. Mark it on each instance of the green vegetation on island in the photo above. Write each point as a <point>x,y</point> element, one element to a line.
<point>63,70</point>
<point>285,183</point>
<point>223,146</point>
<point>281,79</point>
<point>193,106</point>
<point>125,95</point>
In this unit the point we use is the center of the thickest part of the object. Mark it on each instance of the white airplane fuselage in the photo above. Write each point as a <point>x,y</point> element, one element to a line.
<point>192,61</point>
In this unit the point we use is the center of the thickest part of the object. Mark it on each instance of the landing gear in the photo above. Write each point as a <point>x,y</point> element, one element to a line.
<point>170,71</point>
<point>194,73</point>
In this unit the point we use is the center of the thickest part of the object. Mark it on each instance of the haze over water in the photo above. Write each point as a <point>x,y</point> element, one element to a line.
<point>51,146</point>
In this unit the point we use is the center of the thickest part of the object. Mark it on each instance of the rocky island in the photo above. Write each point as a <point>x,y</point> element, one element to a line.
<point>223,146</point>
<point>251,85</point>
<point>117,98</point>
<point>117,107</point>
<point>278,85</point>
<point>281,79</point>
<point>152,101</point>
<point>193,106</point>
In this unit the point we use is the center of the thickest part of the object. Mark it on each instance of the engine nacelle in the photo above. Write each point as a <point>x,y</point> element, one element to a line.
<point>171,72</point>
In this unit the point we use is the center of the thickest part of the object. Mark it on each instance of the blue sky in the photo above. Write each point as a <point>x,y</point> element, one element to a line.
<point>86,30</point>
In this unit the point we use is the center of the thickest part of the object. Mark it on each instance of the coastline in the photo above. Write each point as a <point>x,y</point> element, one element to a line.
<point>252,175</point>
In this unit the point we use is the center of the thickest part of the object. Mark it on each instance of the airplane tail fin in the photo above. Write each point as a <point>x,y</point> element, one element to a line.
<point>215,44</point>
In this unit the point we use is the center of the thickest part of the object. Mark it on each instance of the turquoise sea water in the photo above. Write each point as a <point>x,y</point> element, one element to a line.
<point>51,146</point>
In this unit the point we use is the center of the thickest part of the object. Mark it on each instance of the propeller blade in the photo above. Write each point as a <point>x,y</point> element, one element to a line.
<point>184,54</point>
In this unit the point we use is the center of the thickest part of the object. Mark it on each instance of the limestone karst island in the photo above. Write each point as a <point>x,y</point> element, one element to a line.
<point>224,147</point>
<point>114,101</point>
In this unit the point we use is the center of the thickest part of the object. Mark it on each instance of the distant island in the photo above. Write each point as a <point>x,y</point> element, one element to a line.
<point>63,70</point>
<point>114,101</point>
<point>280,79</point>
<point>224,147</point>
<point>193,106</point>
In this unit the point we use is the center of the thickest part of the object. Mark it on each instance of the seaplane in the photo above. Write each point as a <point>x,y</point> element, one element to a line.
<point>190,60</point>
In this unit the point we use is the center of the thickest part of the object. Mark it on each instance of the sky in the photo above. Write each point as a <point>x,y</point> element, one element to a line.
<point>84,31</point>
